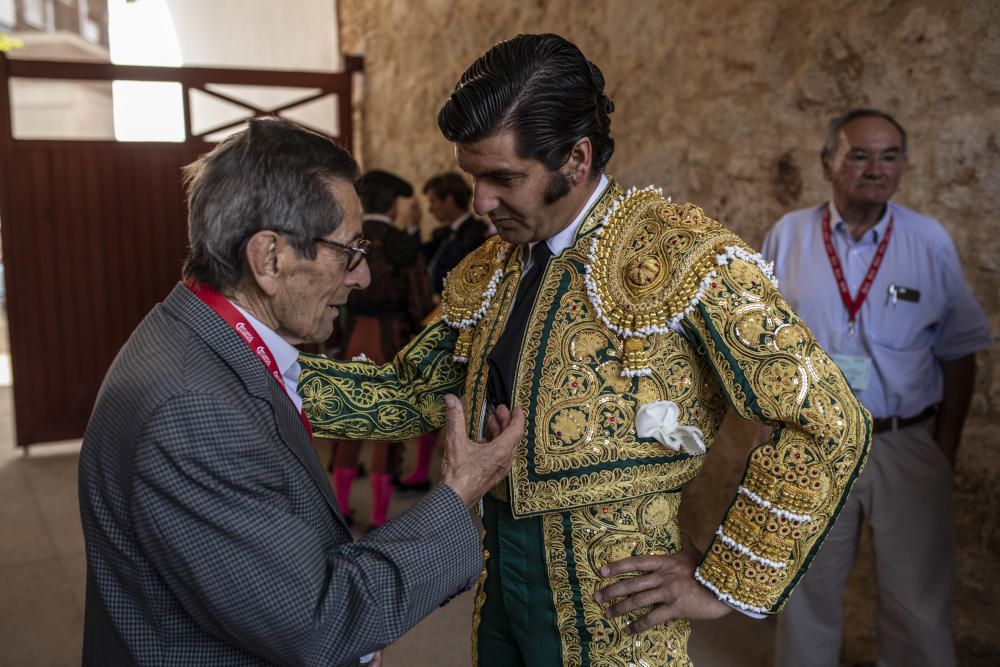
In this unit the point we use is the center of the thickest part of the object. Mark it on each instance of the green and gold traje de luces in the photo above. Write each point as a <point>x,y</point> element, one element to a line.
<point>654,301</point>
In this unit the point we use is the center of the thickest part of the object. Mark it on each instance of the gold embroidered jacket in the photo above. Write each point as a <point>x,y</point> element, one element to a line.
<point>653,302</point>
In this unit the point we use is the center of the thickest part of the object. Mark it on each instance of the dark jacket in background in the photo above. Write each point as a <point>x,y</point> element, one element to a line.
<point>398,298</point>
<point>470,235</point>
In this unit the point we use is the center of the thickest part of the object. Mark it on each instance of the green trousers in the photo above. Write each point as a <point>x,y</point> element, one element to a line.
<point>534,605</point>
<point>517,619</point>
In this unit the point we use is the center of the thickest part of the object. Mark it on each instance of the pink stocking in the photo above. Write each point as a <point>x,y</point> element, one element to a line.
<point>425,447</point>
<point>381,494</point>
<point>343,478</point>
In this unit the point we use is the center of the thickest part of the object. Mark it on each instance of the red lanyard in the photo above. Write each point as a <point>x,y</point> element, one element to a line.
<point>853,306</point>
<point>234,318</point>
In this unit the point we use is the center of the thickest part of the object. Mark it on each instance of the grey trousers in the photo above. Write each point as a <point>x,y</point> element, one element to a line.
<point>905,494</point>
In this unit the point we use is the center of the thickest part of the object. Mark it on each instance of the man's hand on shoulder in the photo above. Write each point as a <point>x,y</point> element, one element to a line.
<point>664,582</point>
<point>472,468</point>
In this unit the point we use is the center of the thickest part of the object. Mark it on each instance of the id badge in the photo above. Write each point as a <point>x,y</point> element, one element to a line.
<point>857,369</point>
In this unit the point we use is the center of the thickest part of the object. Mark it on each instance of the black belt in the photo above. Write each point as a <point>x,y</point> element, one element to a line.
<point>896,423</point>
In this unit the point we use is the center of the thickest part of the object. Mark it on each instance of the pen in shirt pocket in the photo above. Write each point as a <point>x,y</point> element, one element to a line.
<point>900,293</point>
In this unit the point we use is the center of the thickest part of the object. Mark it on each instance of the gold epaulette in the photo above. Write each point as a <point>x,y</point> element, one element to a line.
<point>469,289</point>
<point>649,263</point>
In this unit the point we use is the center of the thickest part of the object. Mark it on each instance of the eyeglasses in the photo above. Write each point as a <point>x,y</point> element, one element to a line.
<point>355,252</point>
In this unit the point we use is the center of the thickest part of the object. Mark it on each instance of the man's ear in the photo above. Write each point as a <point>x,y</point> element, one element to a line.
<point>577,167</point>
<point>824,160</point>
<point>262,255</point>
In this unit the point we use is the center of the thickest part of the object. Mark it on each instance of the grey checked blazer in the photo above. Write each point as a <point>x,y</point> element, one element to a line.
<point>212,535</point>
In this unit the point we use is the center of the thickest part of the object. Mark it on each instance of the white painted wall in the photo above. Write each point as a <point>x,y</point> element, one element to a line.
<point>265,34</point>
<point>61,110</point>
<point>259,34</point>
<point>253,34</point>
<point>42,109</point>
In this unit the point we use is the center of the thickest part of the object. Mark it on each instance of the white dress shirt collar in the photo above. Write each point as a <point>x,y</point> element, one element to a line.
<point>285,355</point>
<point>875,233</point>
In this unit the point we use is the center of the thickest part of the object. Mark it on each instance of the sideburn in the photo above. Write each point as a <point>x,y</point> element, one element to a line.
<point>558,187</point>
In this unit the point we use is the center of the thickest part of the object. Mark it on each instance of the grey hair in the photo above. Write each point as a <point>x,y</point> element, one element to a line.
<point>274,175</point>
<point>838,123</point>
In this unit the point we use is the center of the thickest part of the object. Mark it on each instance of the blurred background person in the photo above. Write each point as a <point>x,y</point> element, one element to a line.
<point>380,321</point>
<point>448,197</point>
<point>459,233</point>
<point>881,287</point>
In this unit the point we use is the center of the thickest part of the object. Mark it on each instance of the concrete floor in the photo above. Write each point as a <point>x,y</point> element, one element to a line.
<point>42,571</point>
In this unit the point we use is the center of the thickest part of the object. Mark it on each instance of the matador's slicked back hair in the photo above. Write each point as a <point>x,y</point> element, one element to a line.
<point>541,87</point>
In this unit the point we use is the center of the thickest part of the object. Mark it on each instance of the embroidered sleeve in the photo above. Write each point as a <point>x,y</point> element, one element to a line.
<point>774,371</point>
<point>359,400</point>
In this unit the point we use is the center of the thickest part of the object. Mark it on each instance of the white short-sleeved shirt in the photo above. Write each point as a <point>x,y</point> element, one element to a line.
<point>905,339</point>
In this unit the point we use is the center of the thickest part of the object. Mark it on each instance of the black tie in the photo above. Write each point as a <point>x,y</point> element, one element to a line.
<point>502,359</point>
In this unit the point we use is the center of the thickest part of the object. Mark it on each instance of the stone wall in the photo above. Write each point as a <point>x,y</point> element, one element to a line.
<point>724,103</point>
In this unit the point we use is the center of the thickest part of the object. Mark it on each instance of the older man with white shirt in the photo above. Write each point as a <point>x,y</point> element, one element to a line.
<point>881,288</point>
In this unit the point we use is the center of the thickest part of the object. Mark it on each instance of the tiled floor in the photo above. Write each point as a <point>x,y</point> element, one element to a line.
<point>41,554</point>
<point>42,570</point>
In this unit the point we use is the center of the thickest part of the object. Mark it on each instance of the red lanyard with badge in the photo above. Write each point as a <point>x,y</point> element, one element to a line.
<point>234,318</point>
<point>853,305</point>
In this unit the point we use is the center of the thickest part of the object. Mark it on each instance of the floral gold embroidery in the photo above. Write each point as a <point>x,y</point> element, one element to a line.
<point>361,400</point>
<point>632,287</point>
<point>775,371</point>
<point>468,293</point>
<point>568,425</point>
<point>584,410</point>
<point>598,535</point>
<point>477,608</point>
<point>557,568</point>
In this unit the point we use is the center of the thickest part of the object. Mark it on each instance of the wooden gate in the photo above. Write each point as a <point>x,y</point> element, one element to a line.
<point>94,232</point>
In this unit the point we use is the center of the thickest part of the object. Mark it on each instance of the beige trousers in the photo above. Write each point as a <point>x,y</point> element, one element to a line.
<point>905,494</point>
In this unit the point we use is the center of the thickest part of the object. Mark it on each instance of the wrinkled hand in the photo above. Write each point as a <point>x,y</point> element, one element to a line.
<point>472,468</point>
<point>665,583</point>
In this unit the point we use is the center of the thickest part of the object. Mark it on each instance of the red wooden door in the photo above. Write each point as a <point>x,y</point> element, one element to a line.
<point>94,234</point>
